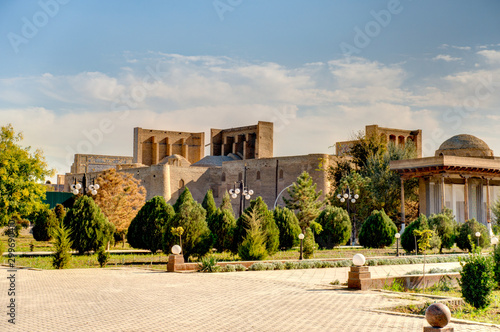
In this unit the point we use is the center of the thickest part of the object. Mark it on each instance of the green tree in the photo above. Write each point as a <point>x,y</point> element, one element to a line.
<point>336,227</point>
<point>226,203</point>
<point>408,238</point>
<point>466,237</point>
<point>89,227</point>
<point>377,231</point>
<point>62,246</point>
<point>477,280</point>
<point>424,243</point>
<point>267,224</point>
<point>222,225</point>
<point>288,226</point>
<point>496,262</point>
<point>189,215</point>
<point>102,256</point>
<point>45,222</point>
<point>21,177</point>
<point>304,200</point>
<point>146,229</point>
<point>209,204</point>
<point>445,226</point>
<point>253,246</point>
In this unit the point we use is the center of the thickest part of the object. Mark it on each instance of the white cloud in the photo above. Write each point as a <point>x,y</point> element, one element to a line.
<point>445,57</point>
<point>312,105</point>
<point>491,56</point>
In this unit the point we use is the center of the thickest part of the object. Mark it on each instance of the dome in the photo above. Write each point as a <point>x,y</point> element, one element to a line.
<point>465,146</point>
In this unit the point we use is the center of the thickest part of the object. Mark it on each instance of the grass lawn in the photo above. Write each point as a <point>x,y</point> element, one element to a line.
<point>463,311</point>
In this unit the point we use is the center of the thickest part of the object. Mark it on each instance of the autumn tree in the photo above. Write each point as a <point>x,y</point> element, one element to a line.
<point>120,197</point>
<point>22,173</point>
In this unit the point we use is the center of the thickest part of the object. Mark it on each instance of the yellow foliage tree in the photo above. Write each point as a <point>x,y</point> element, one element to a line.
<point>120,197</point>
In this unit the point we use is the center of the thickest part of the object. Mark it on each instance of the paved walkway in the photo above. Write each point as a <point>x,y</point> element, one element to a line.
<point>129,299</point>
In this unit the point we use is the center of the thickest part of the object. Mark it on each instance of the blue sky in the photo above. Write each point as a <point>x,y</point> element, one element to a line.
<point>321,70</point>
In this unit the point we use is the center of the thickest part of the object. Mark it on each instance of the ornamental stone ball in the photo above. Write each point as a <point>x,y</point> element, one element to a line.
<point>438,315</point>
<point>358,260</point>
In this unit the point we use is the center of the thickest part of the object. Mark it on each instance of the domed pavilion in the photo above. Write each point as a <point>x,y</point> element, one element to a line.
<point>463,176</point>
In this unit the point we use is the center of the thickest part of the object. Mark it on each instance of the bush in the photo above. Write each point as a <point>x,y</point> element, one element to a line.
<point>408,238</point>
<point>62,246</point>
<point>377,231</point>
<point>466,235</point>
<point>309,244</point>
<point>445,225</point>
<point>146,229</point>
<point>496,262</point>
<point>102,256</point>
<point>261,267</point>
<point>240,267</point>
<point>336,227</point>
<point>229,268</point>
<point>253,247</point>
<point>45,222</point>
<point>208,264</point>
<point>288,226</point>
<point>190,215</point>
<point>1,248</point>
<point>89,228</point>
<point>477,280</point>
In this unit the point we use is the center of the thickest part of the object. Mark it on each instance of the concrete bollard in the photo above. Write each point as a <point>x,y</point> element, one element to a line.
<point>438,315</point>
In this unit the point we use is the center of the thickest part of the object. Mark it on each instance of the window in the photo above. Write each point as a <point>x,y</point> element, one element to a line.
<point>281,175</point>
<point>258,175</point>
<point>223,177</point>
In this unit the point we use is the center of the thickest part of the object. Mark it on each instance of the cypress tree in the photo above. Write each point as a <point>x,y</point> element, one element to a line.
<point>377,231</point>
<point>209,204</point>
<point>89,228</point>
<point>45,223</point>
<point>146,229</point>
<point>62,246</point>
<point>288,226</point>
<point>336,226</point>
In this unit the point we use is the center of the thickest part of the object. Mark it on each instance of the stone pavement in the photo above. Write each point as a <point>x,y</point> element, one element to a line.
<point>128,299</point>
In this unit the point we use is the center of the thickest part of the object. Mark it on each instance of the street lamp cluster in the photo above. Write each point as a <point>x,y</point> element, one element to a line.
<point>246,193</point>
<point>347,196</point>
<point>92,189</point>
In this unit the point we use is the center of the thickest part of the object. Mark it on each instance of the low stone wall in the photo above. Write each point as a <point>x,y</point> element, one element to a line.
<point>413,281</point>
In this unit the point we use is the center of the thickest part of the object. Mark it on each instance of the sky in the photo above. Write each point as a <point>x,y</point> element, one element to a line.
<point>77,76</point>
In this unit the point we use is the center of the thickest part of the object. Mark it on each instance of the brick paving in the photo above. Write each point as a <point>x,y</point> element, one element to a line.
<point>128,299</point>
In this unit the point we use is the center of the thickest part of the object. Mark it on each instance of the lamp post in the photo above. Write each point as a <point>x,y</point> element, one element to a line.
<point>243,192</point>
<point>478,235</point>
<point>347,196</point>
<point>301,238</point>
<point>77,186</point>
<point>397,235</point>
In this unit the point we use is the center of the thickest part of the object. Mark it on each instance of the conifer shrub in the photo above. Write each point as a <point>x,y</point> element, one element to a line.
<point>408,239</point>
<point>445,226</point>
<point>466,236</point>
<point>496,264</point>
<point>45,222</point>
<point>209,204</point>
<point>288,226</point>
<point>377,231</point>
<point>222,224</point>
<point>146,229</point>
<point>253,246</point>
<point>191,216</point>
<point>62,246</point>
<point>336,226</point>
<point>309,243</point>
<point>102,256</point>
<point>477,280</point>
<point>266,223</point>
<point>89,228</point>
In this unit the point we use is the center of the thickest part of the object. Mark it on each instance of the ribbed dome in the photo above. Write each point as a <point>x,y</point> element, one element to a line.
<point>465,146</point>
